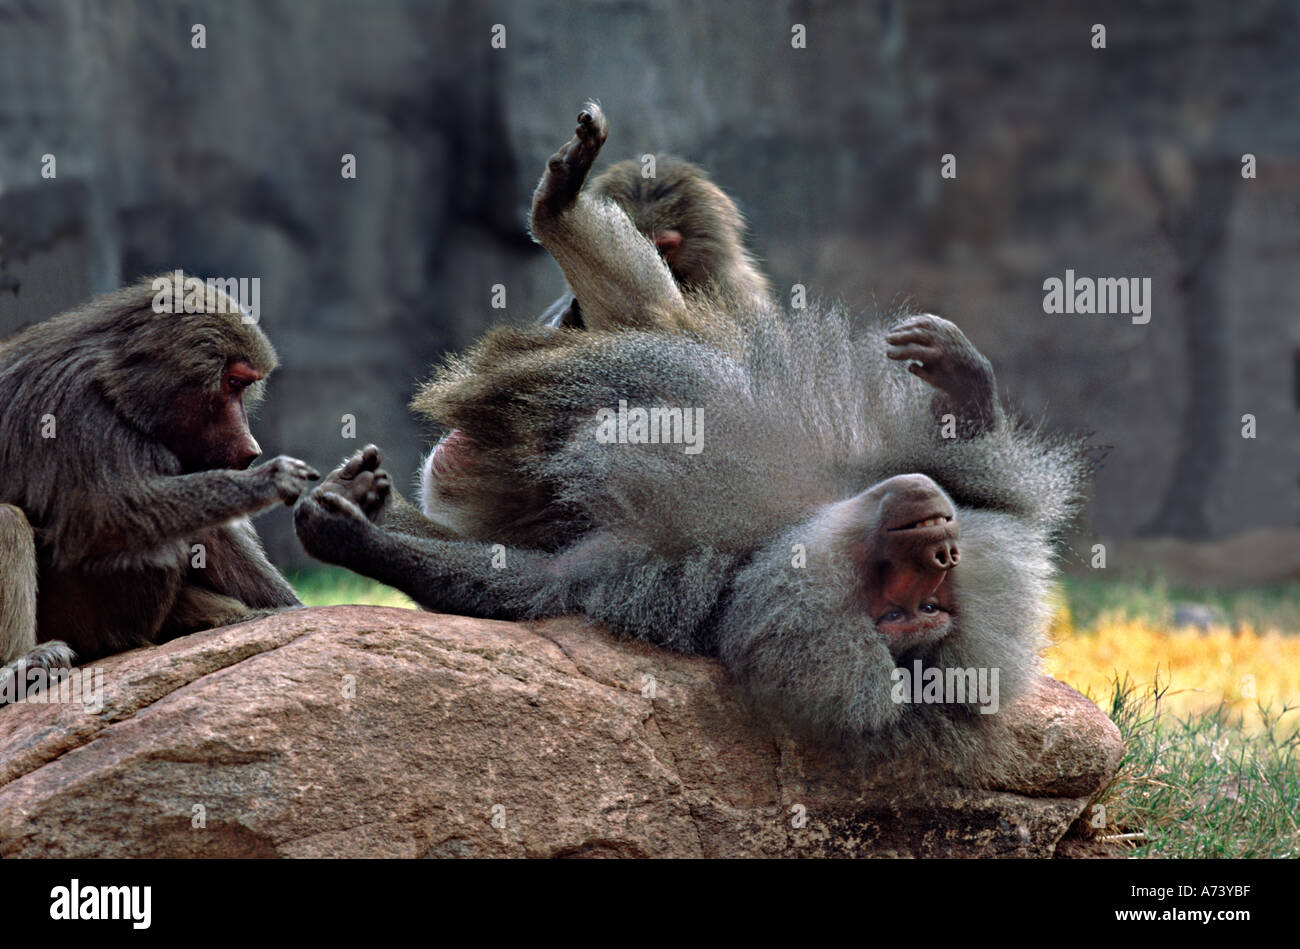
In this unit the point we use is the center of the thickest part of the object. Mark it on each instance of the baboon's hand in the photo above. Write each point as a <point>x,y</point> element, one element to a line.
<point>331,527</point>
<point>288,477</point>
<point>567,169</point>
<point>941,354</point>
<point>361,481</point>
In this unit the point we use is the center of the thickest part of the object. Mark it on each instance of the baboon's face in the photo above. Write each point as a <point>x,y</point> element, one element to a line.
<point>690,221</point>
<point>686,223</point>
<point>208,428</point>
<point>904,545</point>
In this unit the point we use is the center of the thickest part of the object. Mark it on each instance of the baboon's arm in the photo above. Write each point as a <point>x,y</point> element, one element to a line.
<point>939,352</point>
<point>235,565</point>
<point>176,507</point>
<point>402,517</point>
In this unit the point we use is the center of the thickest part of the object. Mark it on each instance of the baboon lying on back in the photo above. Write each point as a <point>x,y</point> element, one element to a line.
<point>123,439</point>
<point>780,495</point>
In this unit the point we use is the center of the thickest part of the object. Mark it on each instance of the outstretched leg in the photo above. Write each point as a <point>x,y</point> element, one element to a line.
<point>466,577</point>
<point>612,268</point>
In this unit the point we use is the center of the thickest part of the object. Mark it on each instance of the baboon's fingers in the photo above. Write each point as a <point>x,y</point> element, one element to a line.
<point>925,372</point>
<point>917,351</point>
<point>567,168</point>
<point>919,334</point>
<point>371,491</point>
<point>55,658</point>
<point>367,459</point>
<point>379,489</point>
<point>55,654</point>
<point>924,319</point>
<point>931,329</point>
<point>593,127</point>
<point>294,468</point>
<point>338,504</point>
<point>362,485</point>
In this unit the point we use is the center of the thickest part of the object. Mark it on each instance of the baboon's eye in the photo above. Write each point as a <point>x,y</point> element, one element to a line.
<point>930,607</point>
<point>893,616</point>
<point>239,376</point>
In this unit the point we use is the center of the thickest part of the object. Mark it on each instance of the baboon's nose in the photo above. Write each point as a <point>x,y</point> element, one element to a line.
<point>944,555</point>
<point>248,451</point>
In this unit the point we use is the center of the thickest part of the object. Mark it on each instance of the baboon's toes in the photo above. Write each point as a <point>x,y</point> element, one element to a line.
<point>592,129</point>
<point>50,656</point>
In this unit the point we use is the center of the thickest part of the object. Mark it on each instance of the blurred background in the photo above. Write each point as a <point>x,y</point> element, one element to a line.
<point>1124,161</point>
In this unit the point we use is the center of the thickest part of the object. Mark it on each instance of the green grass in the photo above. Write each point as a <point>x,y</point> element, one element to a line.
<point>1276,607</point>
<point>1194,784</point>
<point>331,586</point>
<point>1199,786</point>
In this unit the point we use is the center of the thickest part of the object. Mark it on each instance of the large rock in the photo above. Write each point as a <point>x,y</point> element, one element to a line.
<point>360,731</point>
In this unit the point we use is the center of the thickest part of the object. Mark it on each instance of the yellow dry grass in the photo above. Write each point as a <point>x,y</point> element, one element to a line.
<point>1241,669</point>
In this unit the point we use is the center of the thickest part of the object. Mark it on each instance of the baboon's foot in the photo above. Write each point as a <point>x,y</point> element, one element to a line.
<point>361,481</point>
<point>53,659</point>
<point>567,169</point>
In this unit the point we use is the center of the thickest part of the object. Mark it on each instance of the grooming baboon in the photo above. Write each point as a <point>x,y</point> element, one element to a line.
<point>826,534</point>
<point>123,443</point>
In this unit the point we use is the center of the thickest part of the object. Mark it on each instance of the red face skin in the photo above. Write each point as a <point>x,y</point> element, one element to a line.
<point>906,588</point>
<point>209,429</point>
<point>912,608</point>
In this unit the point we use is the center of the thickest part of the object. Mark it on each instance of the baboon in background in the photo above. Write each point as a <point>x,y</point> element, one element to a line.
<point>696,229</point>
<point>826,534</point>
<point>686,232</point>
<point>123,442</point>
<point>681,235</point>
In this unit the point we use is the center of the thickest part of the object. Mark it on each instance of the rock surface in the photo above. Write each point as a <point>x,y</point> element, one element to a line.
<point>361,731</point>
